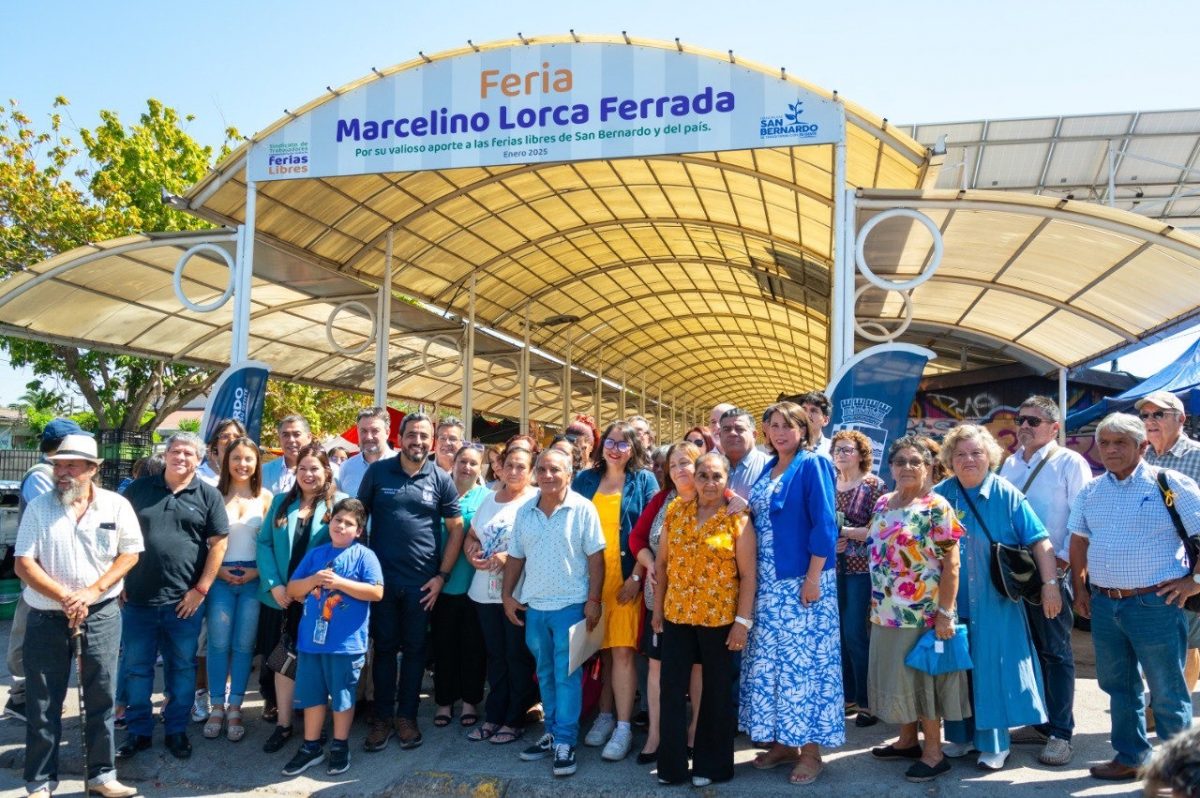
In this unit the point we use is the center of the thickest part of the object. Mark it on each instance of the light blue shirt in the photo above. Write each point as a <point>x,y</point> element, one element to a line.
<point>352,471</point>
<point>743,475</point>
<point>556,551</point>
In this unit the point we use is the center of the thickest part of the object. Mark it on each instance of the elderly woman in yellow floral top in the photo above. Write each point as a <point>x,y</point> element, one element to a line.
<point>913,555</point>
<point>702,608</point>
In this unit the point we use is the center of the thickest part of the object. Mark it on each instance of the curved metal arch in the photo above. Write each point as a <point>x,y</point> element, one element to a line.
<point>1035,359</point>
<point>735,376</point>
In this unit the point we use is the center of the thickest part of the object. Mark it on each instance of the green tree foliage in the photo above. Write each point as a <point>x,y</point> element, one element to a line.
<point>328,412</point>
<point>43,213</point>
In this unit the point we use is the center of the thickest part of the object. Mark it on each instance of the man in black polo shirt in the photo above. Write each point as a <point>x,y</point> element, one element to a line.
<point>406,496</point>
<point>184,527</point>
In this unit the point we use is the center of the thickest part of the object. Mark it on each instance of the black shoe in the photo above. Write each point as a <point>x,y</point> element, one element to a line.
<point>647,757</point>
<point>305,758</point>
<point>133,743</point>
<point>339,759</point>
<point>564,760</point>
<point>120,724</point>
<point>539,750</point>
<point>278,739</point>
<point>15,710</point>
<point>864,719</point>
<point>919,771</point>
<point>892,752</point>
<point>178,745</point>
<point>642,719</point>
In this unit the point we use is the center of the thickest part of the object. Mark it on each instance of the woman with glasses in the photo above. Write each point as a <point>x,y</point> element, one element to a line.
<point>858,491</point>
<point>1006,669</point>
<point>913,559</point>
<point>791,689</point>
<point>620,489</point>
<point>232,609</point>
<point>510,665</point>
<point>459,658</point>
<point>701,438</point>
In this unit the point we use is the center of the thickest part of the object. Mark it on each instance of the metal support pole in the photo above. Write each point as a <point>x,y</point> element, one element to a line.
<point>566,387</point>
<point>621,401</point>
<point>658,427</point>
<point>468,407</point>
<point>842,306</point>
<point>383,329</point>
<point>239,349</point>
<point>642,400</point>
<point>598,398</point>
<point>1112,175</point>
<point>524,377</point>
<point>1062,405</point>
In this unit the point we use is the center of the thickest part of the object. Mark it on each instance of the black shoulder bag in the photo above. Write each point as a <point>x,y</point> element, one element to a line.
<point>1191,545</point>
<point>1013,570</point>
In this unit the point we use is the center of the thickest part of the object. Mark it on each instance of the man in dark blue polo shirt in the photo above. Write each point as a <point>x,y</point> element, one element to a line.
<point>406,496</point>
<point>184,526</point>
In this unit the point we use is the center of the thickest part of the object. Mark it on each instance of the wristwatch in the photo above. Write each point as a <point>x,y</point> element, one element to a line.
<point>746,622</point>
<point>951,615</point>
<point>445,575</point>
<point>1196,578</point>
<point>636,578</point>
<point>1053,582</point>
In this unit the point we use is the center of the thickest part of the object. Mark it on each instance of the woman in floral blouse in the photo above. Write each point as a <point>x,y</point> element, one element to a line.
<point>913,555</point>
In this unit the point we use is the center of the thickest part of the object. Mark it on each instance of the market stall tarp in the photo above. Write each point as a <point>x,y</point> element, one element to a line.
<point>1182,378</point>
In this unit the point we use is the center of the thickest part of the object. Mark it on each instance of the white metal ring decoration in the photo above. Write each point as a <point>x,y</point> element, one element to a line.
<point>449,367</point>
<point>546,394</point>
<point>350,350</point>
<point>177,278</point>
<point>893,213</point>
<point>498,383</point>
<point>875,331</point>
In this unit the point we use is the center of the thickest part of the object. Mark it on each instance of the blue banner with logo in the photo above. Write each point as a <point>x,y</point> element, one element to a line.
<point>873,392</point>
<point>239,393</point>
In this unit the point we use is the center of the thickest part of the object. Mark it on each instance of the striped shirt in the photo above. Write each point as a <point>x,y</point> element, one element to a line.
<point>1183,457</point>
<point>1132,540</point>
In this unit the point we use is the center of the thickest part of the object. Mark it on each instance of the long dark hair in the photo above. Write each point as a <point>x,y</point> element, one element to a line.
<point>295,494</point>
<point>255,478</point>
<point>639,458</point>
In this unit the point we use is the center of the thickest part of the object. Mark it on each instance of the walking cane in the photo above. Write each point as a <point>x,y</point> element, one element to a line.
<point>77,644</point>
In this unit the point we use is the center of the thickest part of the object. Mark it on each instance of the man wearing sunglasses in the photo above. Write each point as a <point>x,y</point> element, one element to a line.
<point>1050,475</point>
<point>1163,415</point>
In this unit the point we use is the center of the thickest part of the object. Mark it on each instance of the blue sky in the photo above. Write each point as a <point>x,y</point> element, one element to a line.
<point>242,63</point>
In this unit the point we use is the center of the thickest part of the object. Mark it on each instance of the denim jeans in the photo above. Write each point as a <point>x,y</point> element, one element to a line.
<point>548,634</point>
<point>49,662</point>
<point>399,622</point>
<point>854,604</point>
<point>1140,630</point>
<point>147,632</point>
<point>1052,640</point>
<point>232,613</point>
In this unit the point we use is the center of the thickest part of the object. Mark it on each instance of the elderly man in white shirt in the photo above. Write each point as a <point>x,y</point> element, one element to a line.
<point>74,547</point>
<point>1050,476</point>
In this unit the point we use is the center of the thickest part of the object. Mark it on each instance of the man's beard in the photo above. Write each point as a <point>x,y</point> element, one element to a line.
<point>71,494</point>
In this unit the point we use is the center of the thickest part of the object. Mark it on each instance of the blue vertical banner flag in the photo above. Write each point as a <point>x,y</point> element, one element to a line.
<point>873,392</point>
<point>239,393</point>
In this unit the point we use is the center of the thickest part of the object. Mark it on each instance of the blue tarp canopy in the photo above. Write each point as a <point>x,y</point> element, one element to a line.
<point>1181,378</point>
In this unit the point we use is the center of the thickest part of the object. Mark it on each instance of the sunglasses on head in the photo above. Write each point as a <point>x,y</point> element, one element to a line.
<point>1157,415</point>
<point>697,442</point>
<point>1032,421</point>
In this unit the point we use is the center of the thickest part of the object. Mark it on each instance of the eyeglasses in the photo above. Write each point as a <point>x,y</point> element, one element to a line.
<point>620,446</point>
<point>697,442</point>
<point>845,450</point>
<point>479,447</point>
<point>908,462</point>
<point>1032,421</point>
<point>1157,415</point>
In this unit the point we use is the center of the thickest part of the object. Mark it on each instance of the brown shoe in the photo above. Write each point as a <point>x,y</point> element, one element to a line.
<point>112,789</point>
<point>379,734</point>
<point>407,733</point>
<point>1113,771</point>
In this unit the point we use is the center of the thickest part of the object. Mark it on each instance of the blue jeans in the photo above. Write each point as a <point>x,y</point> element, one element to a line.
<point>232,612</point>
<point>547,634</point>
<point>147,632</point>
<point>1141,630</point>
<point>854,604</point>
<point>398,622</point>
<point>1052,640</point>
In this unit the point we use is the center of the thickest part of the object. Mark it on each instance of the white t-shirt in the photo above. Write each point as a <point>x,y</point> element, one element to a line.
<point>493,524</point>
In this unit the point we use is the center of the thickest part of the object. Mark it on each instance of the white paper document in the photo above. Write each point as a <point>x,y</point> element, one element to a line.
<point>583,644</point>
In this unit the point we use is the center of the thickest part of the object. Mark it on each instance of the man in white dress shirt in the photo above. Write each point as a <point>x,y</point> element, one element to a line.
<point>373,428</point>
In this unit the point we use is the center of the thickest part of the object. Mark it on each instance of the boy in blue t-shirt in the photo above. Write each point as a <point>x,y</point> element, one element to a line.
<point>336,582</point>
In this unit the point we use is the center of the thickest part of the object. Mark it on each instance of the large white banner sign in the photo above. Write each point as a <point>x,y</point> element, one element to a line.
<point>543,103</point>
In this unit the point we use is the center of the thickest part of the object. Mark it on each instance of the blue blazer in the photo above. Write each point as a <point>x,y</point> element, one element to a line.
<point>640,487</point>
<point>275,544</point>
<point>803,514</point>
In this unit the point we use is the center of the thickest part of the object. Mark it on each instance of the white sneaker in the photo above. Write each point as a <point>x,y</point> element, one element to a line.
<point>618,745</point>
<point>993,761</point>
<point>958,750</point>
<point>201,707</point>
<point>601,730</point>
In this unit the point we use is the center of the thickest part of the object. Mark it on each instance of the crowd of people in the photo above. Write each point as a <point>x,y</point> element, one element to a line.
<point>778,590</point>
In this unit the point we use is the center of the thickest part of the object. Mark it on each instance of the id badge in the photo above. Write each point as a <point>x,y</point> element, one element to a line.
<point>320,629</point>
<point>495,584</point>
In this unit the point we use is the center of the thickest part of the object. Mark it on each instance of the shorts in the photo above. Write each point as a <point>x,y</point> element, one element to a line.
<point>322,677</point>
<point>1193,621</point>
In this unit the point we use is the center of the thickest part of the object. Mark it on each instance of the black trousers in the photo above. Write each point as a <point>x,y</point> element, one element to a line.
<point>510,667</point>
<point>269,620</point>
<point>683,646</point>
<point>458,653</point>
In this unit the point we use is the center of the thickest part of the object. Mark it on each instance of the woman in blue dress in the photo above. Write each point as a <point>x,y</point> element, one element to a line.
<point>791,689</point>
<point>1001,646</point>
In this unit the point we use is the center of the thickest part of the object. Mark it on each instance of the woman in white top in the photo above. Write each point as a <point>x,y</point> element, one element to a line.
<point>510,666</point>
<point>232,605</point>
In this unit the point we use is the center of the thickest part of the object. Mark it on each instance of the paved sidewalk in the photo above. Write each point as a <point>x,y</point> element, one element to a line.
<point>447,764</point>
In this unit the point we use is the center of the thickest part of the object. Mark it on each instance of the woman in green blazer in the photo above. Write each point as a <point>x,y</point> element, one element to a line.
<point>297,522</point>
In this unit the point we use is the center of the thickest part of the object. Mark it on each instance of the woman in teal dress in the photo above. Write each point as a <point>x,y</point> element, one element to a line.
<point>1001,646</point>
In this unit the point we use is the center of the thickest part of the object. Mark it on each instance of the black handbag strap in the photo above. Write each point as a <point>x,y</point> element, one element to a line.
<point>1168,497</point>
<point>1038,470</point>
<point>974,512</point>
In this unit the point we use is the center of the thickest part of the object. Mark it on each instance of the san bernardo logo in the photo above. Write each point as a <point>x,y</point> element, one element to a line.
<point>787,125</point>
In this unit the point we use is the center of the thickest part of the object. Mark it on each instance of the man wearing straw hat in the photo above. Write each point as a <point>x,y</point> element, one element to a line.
<point>74,547</point>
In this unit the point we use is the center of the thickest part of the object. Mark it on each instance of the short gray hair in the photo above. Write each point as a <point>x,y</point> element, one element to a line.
<point>970,432</point>
<point>294,418</point>
<point>1046,405</point>
<point>187,439</point>
<point>380,413</point>
<point>1175,766</point>
<point>1122,424</point>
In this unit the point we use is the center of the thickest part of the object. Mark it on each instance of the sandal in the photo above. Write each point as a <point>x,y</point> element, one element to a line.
<point>212,727</point>
<point>270,713</point>
<point>442,720</point>
<point>481,733</point>
<point>505,735</point>
<point>234,730</point>
<point>806,770</point>
<point>468,719</point>
<point>767,760</point>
